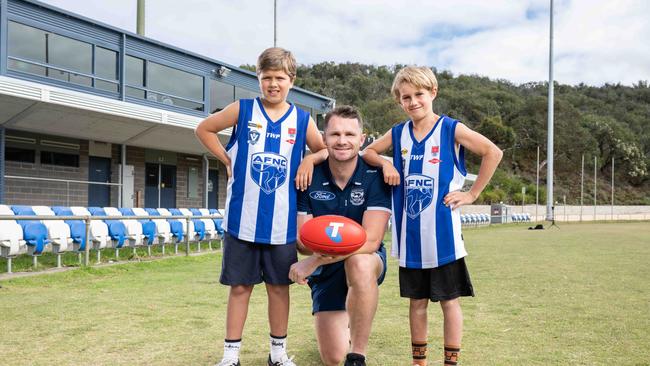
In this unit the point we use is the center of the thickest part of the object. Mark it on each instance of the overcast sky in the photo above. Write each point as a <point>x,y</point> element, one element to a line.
<point>596,41</point>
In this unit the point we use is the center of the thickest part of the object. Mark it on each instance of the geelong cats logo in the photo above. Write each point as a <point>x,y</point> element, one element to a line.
<point>269,171</point>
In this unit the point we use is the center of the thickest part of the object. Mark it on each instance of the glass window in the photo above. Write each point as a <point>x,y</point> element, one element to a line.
<point>105,63</point>
<point>175,82</point>
<point>320,120</point>
<point>134,71</point>
<point>221,94</point>
<point>21,155</point>
<point>57,158</point>
<point>27,42</point>
<point>69,77</point>
<point>26,67</point>
<point>106,67</point>
<point>241,93</point>
<point>69,53</point>
<point>37,45</point>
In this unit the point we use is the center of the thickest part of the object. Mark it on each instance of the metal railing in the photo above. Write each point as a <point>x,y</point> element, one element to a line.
<point>66,181</point>
<point>87,219</point>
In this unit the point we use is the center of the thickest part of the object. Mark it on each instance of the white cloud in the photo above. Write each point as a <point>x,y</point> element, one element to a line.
<point>595,41</point>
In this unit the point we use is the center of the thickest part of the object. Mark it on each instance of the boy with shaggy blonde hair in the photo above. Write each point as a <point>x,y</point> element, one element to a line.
<point>427,174</point>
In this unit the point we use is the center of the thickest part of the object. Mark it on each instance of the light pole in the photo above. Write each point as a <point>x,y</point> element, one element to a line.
<point>549,152</point>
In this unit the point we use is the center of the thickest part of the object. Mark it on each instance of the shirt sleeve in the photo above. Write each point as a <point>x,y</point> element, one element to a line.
<point>304,204</point>
<point>379,194</point>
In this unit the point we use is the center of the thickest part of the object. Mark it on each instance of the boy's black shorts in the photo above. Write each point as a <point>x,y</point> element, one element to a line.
<point>442,283</point>
<point>246,263</point>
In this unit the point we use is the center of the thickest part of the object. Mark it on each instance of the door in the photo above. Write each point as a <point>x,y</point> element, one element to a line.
<point>151,183</point>
<point>167,186</point>
<point>160,186</point>
<point>213,188</point>
<point>99,170</point>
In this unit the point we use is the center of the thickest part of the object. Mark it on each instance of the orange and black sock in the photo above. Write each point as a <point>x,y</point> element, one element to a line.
<point>419,352</point>
<point>451,354</point>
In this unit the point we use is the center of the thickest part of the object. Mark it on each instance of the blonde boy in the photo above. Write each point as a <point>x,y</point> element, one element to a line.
<point>427,174</point>
<point>262,160</point>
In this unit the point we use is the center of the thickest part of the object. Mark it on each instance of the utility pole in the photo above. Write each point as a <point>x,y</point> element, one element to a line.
<point>537,186</point>
<point>140,21</point>
<point>612,188</point>
<point>582,184</point>
<point>595,184</point>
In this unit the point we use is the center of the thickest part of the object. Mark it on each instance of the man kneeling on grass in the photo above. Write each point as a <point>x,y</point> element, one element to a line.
<point>344,289</point>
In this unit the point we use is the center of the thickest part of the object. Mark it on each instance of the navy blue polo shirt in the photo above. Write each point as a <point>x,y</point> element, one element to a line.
<point>365,191</point>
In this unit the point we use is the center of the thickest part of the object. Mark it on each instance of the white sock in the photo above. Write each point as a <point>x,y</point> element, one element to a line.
<point>231,349</point>
<point>278,348</point>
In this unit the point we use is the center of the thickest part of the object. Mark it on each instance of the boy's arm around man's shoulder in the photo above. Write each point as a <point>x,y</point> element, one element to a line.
<point>319,154</point>
<point>206,131</point>
<point>371,157</point>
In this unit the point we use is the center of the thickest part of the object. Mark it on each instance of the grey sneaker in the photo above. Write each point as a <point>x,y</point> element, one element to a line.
<point>229,362</point>
<point>285,361</point>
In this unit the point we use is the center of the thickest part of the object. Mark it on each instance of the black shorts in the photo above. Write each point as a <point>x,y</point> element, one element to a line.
<point>442,283</point>
<point>246,263</point>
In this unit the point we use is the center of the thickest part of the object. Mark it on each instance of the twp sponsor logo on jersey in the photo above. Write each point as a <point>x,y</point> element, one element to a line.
<point>268,171</point>
<point>271,135</point>
<point>419,194</point>
<point>332,231</point>
<point>417,157</point>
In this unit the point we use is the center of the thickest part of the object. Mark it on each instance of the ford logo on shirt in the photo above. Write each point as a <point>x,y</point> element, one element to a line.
<point>322,195</point>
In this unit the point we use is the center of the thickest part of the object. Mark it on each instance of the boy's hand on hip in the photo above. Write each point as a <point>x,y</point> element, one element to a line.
<point>456,199</point>
<point>391,175</point>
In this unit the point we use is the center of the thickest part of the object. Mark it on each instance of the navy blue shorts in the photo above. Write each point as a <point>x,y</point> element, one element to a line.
<point>329,287</point>
<point>246,263</point>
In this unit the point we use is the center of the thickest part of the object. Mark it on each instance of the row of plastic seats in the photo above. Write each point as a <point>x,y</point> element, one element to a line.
<point>521,217</point>
<point>475,219</point>
<point>16,234</point>
<point>70,235</point>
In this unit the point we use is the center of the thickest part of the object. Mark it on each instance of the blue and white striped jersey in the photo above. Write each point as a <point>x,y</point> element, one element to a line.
<point>265,154</point>
<point>426,233</point>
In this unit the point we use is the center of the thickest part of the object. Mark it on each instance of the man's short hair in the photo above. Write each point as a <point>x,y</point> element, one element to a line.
<point>276,58</point>
<point>421,77</point>
<point>344,111</point>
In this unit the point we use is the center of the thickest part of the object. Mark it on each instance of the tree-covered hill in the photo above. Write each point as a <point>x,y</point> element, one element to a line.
<point>612,121</point>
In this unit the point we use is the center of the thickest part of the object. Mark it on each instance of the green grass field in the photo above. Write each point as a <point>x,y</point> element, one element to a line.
<point>578,295</point>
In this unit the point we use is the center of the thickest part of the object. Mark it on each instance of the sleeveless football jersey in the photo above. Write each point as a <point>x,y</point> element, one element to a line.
<point>265,154</point>
<point>426,233</point>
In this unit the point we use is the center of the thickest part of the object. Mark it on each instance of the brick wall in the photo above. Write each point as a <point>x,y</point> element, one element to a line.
<point>33,192</point>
